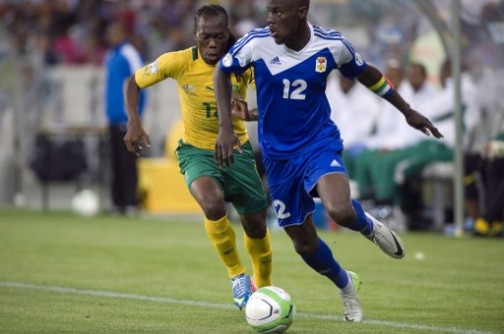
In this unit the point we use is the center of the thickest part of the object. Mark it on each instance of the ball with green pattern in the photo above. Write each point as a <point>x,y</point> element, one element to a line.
<point>270,310</point>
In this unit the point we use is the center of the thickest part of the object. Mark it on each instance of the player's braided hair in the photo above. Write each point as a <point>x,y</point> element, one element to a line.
<point>215,10</point>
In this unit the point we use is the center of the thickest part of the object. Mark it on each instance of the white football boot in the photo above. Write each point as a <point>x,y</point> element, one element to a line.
<point>386,239</point>
<point>353,311</point>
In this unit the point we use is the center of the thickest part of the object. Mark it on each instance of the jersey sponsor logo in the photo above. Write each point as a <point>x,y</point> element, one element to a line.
<point>227,61</point>
<point>189,89</point>
<point>335,163</point>
<point>321,64</point>
<point>275,61</point>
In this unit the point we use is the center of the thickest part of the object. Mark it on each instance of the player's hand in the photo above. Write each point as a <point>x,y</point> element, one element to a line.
<point>226,142</point>
<point>239,109</point>
<point>136,138</point>
<point>422,123</point>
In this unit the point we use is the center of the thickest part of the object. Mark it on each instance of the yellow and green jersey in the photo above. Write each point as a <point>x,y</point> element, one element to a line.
<point>196,94</point>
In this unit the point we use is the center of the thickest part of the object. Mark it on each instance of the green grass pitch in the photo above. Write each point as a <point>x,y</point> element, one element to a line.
<point>64,274</point>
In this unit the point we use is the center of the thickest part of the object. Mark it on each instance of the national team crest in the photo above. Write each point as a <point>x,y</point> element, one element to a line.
<point>321,64</point>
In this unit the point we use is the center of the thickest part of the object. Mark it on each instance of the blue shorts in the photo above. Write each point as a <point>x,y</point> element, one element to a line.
<point>291,181</point>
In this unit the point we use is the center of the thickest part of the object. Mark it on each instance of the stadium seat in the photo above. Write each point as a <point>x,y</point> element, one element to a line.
<point>438,178</point>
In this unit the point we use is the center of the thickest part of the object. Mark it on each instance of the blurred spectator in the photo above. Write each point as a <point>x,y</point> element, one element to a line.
<point>484,190</point>
<point>477,18</point>
<point>73,26</point>
<point>489,219</point>
<point>484,164</point>
<point>43,49</point>
<point>350,101</point>
<point>67,47</point>
<point>388,167</point>
<point>121,62</point>
<point>51,32</point>
<point>441,107</point>
<point>94,50</point>
<point>242,17</point>
<point>392,170</point>
<point>384,137</point>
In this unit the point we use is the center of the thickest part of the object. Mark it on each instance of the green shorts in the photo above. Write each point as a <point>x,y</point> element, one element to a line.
<point>240,182</point>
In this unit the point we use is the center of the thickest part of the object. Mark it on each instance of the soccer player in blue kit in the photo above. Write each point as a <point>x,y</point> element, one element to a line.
<point>301,146</point>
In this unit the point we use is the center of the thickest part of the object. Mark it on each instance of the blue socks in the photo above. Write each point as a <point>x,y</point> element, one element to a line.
<point>363,224</point>
<point>323,262</point>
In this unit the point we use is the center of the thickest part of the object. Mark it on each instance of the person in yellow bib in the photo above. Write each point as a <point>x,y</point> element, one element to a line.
<point>210,185</point>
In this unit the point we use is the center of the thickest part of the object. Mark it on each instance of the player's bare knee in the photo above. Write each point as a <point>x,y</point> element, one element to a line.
<point>343,215</point>
<point>255,225</point>
<point>305,248</point>
<point>256,231</point>
<point>214,210</point>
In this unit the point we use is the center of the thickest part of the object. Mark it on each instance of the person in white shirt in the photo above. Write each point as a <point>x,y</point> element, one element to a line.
<point>391,170</point>
<point>350,102</point>
<point>385,135</point>
<point>397,154</point>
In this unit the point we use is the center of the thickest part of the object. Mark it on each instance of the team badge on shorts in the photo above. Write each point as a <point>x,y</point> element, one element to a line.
<point>321,64</point>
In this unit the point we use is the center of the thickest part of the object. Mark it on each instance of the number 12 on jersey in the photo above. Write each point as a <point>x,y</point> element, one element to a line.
<point>294,90</point>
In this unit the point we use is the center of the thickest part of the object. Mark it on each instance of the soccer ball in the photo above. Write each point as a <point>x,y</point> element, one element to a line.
<point>85,203</point>
<point>270,310</point>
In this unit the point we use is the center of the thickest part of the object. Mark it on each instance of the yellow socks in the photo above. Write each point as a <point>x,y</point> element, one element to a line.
<point>261,256</point>
<point>223,237</point>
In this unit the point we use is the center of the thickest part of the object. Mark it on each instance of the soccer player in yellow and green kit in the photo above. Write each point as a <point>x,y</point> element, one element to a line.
<point>210,185</point>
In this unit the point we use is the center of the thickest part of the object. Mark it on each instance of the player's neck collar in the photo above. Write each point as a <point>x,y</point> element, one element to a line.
<point>306,46</point>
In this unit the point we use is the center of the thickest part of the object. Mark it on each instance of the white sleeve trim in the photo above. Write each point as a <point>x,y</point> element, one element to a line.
<point>132,57</point>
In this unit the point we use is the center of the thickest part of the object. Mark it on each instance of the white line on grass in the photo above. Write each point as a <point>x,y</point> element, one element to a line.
<point>116,295</point>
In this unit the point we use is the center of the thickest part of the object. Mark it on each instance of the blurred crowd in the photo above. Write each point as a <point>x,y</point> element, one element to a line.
<point>384,157</point>
<point>73,31</point>
<point>387,161</point>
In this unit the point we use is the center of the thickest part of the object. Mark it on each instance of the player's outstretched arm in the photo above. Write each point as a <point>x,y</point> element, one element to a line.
<point>135,136</point>
<point>226,140</point>
<point>378,83</point>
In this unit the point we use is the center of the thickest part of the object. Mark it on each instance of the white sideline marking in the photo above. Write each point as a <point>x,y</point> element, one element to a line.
<point>168,300</point>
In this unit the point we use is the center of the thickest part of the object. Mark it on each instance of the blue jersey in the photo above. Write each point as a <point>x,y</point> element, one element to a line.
<point>294,114</point>
<point>120,63</point>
